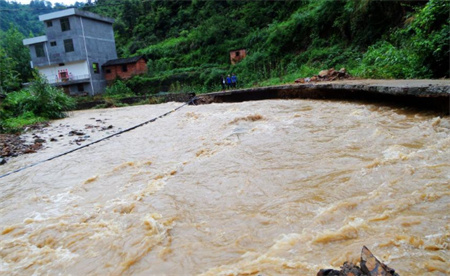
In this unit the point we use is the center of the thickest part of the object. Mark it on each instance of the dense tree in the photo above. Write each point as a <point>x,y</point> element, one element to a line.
<point>189,41</point>
<point>12,43</point>
<point>9,78</point>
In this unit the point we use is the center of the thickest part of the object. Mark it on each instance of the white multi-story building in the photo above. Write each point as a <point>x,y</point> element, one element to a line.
<point>73,50</point>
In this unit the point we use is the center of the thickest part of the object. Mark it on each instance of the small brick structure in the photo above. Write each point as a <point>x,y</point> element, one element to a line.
<point>237,55</point>
<point>124,68</point>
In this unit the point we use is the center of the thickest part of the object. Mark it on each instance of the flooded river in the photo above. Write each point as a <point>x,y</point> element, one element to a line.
<point>277,187</point>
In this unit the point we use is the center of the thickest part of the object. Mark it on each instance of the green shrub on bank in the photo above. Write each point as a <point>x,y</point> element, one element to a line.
<point>118,90</point>
<point>16,124</point>
<point>383,60</point>
<point>37,103</point>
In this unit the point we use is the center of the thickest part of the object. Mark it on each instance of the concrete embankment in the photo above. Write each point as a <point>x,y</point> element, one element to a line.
<point>433,95</point>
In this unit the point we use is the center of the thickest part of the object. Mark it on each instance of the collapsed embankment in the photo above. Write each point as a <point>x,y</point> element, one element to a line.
<point>433,95</point>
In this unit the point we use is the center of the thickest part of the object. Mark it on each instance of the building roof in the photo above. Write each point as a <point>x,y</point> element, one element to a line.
<point>121,61</point>
<point>34,40</point>
<point>72,11</point>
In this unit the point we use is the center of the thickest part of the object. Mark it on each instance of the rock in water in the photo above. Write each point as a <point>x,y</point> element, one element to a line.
<point>372,266</point>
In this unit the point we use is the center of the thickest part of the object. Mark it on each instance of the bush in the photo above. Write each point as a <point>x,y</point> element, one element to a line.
<point>16,124</point>
<point>427,35</point>
<point>118,90</point>
<point>383,60</point>
<point>37,103</point>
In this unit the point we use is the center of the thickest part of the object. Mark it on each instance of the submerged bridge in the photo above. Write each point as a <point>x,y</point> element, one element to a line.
<point>433,95</point>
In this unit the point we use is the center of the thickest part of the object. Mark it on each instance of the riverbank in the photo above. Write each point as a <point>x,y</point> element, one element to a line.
<point>430,95</point>
<point>427,95</point>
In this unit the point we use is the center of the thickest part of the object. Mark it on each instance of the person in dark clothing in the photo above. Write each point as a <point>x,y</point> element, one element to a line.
<point>234,80</point>
<point>229,81</point>
<point>222,82</point>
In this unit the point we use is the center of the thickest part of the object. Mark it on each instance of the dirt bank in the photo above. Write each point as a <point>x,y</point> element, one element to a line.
<point>12,145</point>
<point>422,94</point>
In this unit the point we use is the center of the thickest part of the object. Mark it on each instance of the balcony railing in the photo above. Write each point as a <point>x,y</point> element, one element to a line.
<point>70,78</point>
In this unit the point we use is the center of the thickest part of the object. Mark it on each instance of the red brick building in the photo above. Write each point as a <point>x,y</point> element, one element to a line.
<point>237,55</point>
<point>124,68</point>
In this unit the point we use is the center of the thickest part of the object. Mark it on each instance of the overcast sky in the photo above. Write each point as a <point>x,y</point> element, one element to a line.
<point>65,2</point>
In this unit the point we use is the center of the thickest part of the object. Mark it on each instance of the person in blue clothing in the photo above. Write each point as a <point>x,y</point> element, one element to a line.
<point>229,81</point>
<point>233,80</point>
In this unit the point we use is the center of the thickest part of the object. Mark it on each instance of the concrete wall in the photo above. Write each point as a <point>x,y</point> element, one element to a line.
<point>101,47</point>
<point>431,95</point>
<point>57,53</point>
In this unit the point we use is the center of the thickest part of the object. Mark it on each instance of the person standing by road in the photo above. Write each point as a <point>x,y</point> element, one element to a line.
<point>222,82</point>
<point>229,81</point>
<point>234,80</point>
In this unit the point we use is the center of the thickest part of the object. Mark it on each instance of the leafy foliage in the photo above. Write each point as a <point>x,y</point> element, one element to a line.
<point>11,42</point>
<point>39,102</point>
<point>283,39</point>
<point>9,77</point>
<point>118,89</point>
<point>383,60</point>
<point>187,43</point>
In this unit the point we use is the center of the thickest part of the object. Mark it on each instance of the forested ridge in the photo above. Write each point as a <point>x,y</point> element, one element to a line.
<point>187,43</point>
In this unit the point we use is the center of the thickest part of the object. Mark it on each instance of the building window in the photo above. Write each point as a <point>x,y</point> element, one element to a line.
<point>124,68</point>
<point>95,67</point>
<point>39,50</point>
<point>49,24</point>
<point>108,71</point>
<point>80,87</point>
<point>65,24</point>
<point>68,45</point>
<point>237,54</point>
<point>53,43</point>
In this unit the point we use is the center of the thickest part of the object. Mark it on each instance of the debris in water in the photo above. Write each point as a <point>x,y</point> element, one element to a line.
<point>252,118</point>
<point>370,266</point>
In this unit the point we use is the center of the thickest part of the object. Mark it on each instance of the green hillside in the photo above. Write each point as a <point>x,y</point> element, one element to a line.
<point>187,43</point>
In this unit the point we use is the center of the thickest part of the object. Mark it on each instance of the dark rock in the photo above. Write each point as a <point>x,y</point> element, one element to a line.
<point>328,272</point>
<point>53,139</point>
<point>2,161</point>
<point>75,132</point>
<point>370,265</point>
<point>108,127</point>
<point>39,140</point>
<point>349,269</point>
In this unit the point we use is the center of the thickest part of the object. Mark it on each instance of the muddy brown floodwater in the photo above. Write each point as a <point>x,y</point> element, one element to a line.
<point>276,187</point>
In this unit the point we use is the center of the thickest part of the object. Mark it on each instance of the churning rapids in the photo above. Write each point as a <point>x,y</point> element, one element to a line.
<point>276,187</point>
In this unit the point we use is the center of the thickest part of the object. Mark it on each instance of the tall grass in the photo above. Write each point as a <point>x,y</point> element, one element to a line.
<point>40,102</point>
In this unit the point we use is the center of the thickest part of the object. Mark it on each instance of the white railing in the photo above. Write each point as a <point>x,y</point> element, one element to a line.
<point>69,78</point>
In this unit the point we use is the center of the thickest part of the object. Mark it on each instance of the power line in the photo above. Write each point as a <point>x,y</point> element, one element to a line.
<point>192,100</point>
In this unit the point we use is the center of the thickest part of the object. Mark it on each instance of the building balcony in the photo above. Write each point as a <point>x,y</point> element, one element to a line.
<point>57,81</point>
